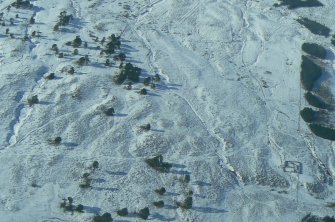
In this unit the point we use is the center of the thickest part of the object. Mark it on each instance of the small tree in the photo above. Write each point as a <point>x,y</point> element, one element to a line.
<point>143,91</point>
<point>75,52</point>
<point>159,204</point>
<point>109,111</point>
<point>144,213</point>
<point>55,141</point>
<point>122,212</point>
<point>106,217</point>
<point>33,100</point>
<point>186,204</point>
<point>147,81</point>
<point>77,42</point>
<point>145,127</point>
<point>32,20</point>
<point>95,165</point>
<point>160,191</point>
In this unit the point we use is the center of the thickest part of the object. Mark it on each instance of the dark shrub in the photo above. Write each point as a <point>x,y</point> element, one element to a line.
<point>122,212</point>
<point>187,178</point>
<point>33,100</point>
<point>186,204</point>
<point>77,42</point>
<point>161,191</point>
<point>106,217</point>
<point>158,164</point>
<point>144,213</point>
<point>50,76</point>
<point>143,91</point>
<point>75,52</point>
<point>145,127</point>
<point>80,208</point>
<point>32,20</point>
<point>308,115</point>
<point>95,165</point>
<point>314,50</point>
<point>310,72</point>
<point>333,40</point>
<point>119,78</point>
<point>61,55</point>
<point>157,78</point>
<point>109,111</point>
<point>323,132</point>
<point>159,204</point>
<point>55,141</point>
<point>147,81</point>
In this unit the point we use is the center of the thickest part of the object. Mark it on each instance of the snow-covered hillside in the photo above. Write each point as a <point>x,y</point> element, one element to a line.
<point>225,111</point>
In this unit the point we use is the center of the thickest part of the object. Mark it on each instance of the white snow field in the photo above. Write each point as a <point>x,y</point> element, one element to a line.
<point>226,112</point>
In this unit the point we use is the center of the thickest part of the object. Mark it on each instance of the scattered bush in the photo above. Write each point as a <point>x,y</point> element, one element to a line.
<point>186,204</point>
<point>114,43</point>
<point>159,204</point>
<point>120,57</point>
<point>95,165</point>
<point>144,213</point>
<point>61,55</point>
<point>50,76</point>
<point>158,164</point>
<point>147,81</point>
<point>83,60</point>
<point>106,217</point>
<point>67,205</point>
<point>64,19</point>
<point>55,141</point>
<point>85,181</point>
<point>187,178</point>
<point>145,127</point>
<point>33,100</point>
<point>32,20</point>
<point>122,212</point>
<point>333,40</point>
<point>314,50</point>
<point>75,52</point>
<point>157,78</point>
<point>160,191</point>
<point>77,42</point>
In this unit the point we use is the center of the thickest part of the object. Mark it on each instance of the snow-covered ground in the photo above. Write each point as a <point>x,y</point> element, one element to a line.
<point>226,112</point>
